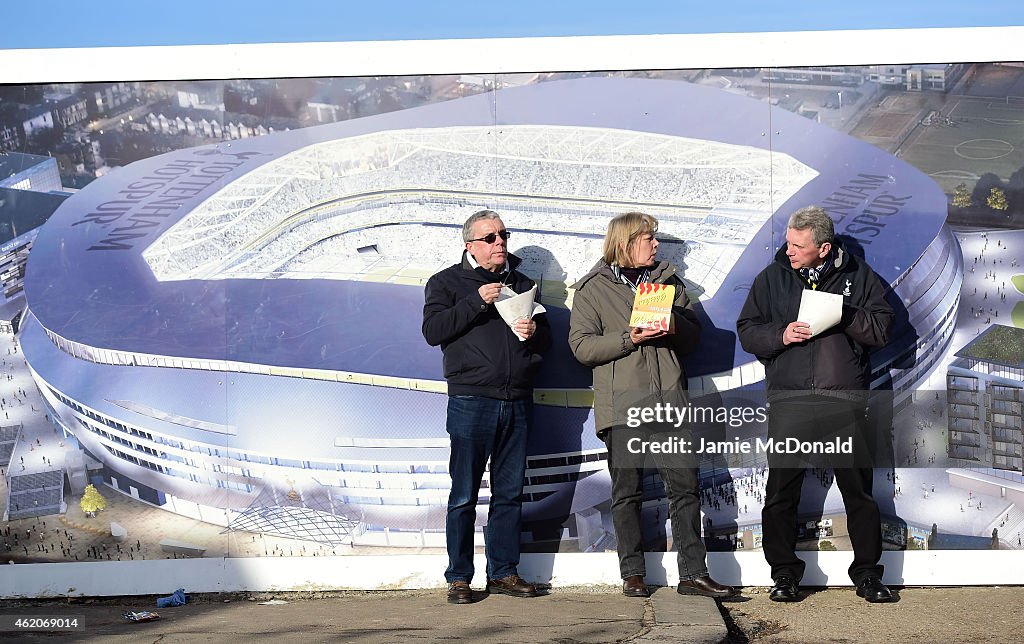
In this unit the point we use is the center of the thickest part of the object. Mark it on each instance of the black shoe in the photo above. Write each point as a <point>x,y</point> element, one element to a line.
<point>459,592</point>
<point>513,585</point>
<point>873,590</point>
<point>706,587</point>
<point>784,590</point>
<point>634,586</point>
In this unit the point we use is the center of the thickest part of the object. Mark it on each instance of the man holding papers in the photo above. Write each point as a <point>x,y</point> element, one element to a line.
<point>818,378</point>
<point>489,365</point>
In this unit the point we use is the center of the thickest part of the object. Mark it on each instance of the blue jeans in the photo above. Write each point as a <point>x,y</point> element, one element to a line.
<point>482,428</point>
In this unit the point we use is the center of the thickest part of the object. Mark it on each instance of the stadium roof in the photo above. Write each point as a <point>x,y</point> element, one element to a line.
<point>88,280</point>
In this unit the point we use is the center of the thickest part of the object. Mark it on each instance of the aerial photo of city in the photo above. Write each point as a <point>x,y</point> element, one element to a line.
<point>212,296</point>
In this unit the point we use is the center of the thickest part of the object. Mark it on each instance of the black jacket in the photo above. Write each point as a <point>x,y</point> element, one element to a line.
<point>482,356</point>
<point>833,362</point>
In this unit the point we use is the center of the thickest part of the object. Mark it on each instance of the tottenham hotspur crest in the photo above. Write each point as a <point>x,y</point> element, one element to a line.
<point>846,291</point>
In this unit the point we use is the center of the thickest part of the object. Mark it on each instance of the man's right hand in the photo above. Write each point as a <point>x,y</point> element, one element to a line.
<point>489,292</point>
<point>796,332</point>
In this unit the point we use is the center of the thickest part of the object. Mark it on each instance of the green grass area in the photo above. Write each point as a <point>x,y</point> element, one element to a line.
<point>1018,315</point>
<point>933,149</point>
<point>1002,344</point>
<point>1018,283</point>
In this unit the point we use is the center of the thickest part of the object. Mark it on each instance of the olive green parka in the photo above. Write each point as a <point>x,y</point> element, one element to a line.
<point>599,338</point>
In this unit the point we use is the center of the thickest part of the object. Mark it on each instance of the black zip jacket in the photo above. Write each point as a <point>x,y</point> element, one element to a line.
<point>835,361</point>
<point>482,356</point>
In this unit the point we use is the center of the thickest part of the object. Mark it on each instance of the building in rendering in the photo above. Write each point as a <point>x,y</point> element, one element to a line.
<point>939,77</point>
<point>985,395</point>
<point>29,172</point>
<point>234,331</point>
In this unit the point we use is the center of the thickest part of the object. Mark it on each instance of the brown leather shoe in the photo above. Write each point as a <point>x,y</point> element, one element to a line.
<point>459,592</point>
<point>706,587</point>
<point>513,585</point>
<point>634,586</point>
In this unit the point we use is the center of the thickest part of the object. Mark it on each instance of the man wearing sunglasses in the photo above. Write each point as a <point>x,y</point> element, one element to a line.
<point>490,398</point>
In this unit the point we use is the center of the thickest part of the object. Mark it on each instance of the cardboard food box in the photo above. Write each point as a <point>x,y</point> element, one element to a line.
<point>652,307</point>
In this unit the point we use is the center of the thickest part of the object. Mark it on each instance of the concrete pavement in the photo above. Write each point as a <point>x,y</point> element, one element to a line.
<point>593,614</point>
<point>579,614</point>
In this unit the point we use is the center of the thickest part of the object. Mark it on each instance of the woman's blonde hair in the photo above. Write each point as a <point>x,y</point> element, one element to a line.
<point>623,232</point>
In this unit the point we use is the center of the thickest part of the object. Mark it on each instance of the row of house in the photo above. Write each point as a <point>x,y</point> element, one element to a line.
<point>62,110</point>
<point>205,128</point>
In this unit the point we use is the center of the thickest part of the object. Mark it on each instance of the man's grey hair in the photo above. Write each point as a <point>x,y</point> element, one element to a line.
<point>467,228</point>
<point>817,220</point>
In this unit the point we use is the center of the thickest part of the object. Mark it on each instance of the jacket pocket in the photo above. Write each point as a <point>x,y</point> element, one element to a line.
<point>452,363</point>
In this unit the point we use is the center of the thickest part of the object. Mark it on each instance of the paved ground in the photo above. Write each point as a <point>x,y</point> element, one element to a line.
<point>975,614</point>
<point>570,615</point>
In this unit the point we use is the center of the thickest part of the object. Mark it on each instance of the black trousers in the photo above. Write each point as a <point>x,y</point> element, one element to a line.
<point>804,419</point>
<point>682,487</point>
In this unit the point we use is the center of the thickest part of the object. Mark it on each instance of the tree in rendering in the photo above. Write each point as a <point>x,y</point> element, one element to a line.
<point>962,196</point>
<point>92,501</point>
<point>997,199</point>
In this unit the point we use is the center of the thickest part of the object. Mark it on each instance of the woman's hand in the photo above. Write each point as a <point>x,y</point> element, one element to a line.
<point>639,336</point>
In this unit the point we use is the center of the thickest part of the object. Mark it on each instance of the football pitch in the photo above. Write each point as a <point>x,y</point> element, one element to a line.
<point>968,137</point>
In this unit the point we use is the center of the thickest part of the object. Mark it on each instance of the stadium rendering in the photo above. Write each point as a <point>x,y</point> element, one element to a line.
<point>232,332</point>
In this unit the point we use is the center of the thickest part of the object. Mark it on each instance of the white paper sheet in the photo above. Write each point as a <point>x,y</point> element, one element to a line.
<point>820,310</point>
<point>514,306</point>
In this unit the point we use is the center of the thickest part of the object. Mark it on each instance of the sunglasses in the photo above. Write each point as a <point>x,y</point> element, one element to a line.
<point>490,238</point>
